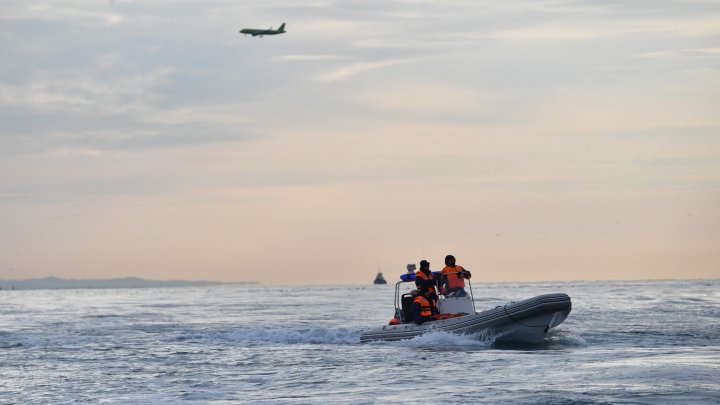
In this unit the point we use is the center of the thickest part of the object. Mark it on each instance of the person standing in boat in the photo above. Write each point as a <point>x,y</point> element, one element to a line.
<point>424,280</point>
<point>423,309</point>
<point>453,277</point>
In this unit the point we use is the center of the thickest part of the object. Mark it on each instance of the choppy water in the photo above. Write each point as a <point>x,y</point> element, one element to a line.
<point>624,342</point>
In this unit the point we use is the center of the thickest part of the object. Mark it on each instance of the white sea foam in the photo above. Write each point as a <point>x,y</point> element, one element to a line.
<point>566,339</point>
<point>203,396</point>
<point>254,337</point>
<point>447,341</point>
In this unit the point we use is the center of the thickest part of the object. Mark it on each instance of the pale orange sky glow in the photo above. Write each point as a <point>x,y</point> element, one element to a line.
<point>557,142</point>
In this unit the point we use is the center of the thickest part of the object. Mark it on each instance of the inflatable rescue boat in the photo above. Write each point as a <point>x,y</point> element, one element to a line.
<point>526,321</point>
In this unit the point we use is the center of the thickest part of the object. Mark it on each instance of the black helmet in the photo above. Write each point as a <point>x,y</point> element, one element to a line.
<point>424,264</point>
<point>449,259</point>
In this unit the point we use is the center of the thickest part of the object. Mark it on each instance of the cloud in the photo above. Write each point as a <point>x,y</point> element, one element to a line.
<point>693,52</point>
<point>78,90</point>
<point>348,71</point>
<point>427,99</point>
<point>222,114</point>
<point>98,138</point>
<point>308,58</point>
<point>593,29</point>
<point>83,13</point>
<point>329,27</point>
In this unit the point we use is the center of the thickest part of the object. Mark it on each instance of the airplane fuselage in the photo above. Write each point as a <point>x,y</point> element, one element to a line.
<point>261,32</point>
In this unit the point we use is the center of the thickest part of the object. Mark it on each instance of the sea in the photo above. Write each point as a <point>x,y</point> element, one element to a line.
<point>625,342</point>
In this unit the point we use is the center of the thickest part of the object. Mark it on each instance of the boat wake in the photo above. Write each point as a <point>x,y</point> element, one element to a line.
<point>556,339</point>
<point>445,341</point>
<point>271,337</point>
<point>564,338</point>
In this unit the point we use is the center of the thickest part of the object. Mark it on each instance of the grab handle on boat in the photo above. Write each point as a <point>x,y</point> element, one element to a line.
<point>472,299</point>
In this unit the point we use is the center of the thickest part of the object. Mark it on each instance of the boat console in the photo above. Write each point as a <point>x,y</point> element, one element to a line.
<point>456,305</point>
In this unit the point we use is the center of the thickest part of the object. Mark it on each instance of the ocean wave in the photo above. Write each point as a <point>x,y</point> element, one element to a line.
<point>275,336</point>
<point>446,341</point>
<point>561,338</point>
<point>17,341</point>
<point>10,345</point>
<point>203,396</point>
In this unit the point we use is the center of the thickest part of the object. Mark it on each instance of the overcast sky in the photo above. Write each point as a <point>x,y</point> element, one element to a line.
<point>534,140</point>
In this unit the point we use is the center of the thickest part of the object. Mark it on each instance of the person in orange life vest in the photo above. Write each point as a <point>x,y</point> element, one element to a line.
<point>453,276</point>
<point>422,307</point>
<point>424,280</point>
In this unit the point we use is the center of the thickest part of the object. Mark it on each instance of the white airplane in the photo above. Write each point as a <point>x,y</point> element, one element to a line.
<point>260,32</point>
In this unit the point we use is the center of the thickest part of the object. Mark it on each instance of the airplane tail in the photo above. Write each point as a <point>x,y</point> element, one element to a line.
<point>282,28</point>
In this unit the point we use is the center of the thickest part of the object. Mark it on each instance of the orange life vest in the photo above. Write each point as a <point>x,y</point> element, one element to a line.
<point>420,275</point>
<point>425,309</point>
<point>453,277</point>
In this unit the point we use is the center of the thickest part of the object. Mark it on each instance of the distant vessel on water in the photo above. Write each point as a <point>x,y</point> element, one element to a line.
<point>379,279</point>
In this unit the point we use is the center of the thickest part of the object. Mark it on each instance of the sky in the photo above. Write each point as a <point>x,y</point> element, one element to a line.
<point>534,140</point>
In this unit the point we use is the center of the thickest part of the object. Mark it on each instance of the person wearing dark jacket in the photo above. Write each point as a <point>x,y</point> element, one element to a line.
<point>424,280</point>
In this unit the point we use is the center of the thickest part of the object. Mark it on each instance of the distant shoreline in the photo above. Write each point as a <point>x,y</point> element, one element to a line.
<point>55,283</point>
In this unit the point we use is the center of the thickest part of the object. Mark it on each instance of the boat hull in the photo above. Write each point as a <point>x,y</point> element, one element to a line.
<point>526,321</point>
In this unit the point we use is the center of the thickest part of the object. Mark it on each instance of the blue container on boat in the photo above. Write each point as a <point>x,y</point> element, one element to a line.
<point>411,276</point>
